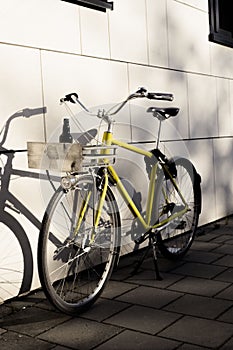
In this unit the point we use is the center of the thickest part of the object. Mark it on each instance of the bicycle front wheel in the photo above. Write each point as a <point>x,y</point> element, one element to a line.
<point>74,265</point>
<point>175,239</point>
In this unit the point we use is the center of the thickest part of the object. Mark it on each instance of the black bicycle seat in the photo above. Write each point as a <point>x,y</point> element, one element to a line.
<point>163,113</point>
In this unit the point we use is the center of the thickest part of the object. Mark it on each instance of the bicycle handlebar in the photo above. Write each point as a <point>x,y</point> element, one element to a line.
<point>160,96</point>
<point>29,112</point>
<point>140,93</point>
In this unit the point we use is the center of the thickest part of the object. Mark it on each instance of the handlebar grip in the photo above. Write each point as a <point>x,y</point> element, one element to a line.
<point>28,112</point>
<point>69,97</point>
<point>160,96</point>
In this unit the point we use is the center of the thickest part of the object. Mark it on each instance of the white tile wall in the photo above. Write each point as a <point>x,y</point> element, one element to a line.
<point>94,33</point>
<point>188,30</point>
<point>49,24</point>
<point>128,34</point>
<point>20,86</point>
<point>98,83</point>
<point>157,32</point>
<point>231,99</point>
<point>203,112</point>
<point>225,120</point>
<point>223,150</point>
<point>199,4</point>
<point>221,60</point>
<point>161,80</point>
<point>200,152</point>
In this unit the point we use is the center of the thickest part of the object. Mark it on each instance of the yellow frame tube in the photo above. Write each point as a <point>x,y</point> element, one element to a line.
<point>82,212</point>
<point>108,140</point>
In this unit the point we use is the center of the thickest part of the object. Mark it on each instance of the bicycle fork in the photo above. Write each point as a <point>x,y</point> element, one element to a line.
<point>90,200</point>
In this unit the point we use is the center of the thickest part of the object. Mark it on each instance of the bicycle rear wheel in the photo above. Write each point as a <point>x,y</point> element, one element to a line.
<point>16,261</point>
<point>73,268</point>
<point>176,238</point>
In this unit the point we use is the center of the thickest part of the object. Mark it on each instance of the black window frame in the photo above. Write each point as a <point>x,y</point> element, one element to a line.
<point>100,5</point>
<point>219,34</point>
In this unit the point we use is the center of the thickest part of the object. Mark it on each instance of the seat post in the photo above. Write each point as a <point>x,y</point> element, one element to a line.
<point>158,138</point>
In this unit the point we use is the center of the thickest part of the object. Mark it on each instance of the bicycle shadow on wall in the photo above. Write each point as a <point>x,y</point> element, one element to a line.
<point>16,257</point>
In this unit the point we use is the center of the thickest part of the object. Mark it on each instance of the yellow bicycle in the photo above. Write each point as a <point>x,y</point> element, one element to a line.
<point>80,238</point>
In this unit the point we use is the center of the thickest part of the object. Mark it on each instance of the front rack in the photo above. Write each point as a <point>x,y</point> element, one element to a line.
<point>67,157</point>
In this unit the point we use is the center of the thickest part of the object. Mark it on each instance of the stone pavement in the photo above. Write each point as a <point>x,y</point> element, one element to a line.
<point>190,309</point>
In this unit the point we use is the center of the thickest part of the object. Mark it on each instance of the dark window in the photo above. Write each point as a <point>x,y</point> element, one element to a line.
<point>221,22</point>
<point>100,5</point>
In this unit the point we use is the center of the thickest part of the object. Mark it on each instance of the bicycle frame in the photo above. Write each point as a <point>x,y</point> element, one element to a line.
<point>108,140</point>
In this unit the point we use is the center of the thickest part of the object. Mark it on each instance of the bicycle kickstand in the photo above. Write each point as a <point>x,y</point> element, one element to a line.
<point>139,263</point>
<point>153,243</point>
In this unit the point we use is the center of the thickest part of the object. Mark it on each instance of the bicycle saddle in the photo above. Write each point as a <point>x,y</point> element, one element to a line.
<point>163,113</point>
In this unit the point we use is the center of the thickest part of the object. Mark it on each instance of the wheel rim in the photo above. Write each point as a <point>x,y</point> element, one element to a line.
<point>177,237</point>
<point>75,270</point>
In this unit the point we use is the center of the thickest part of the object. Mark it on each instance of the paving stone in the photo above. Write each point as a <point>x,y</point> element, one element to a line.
<point>194,305</point>
<point>116,288</point>
<point>228,345</point>
<point>225,249</point>
<point>226,293</point>
<point>130,340</point>
<point>79,333</point>
<point>15,341</point>
<point>148,278</point>
<point>46,305</point>
<point>207,236</point>
<point>103,309</point>
<point>227,316</point>
<point>32,321</point>
<point>226,275</point>
<point>148,296</point>
<point>200,286</point>
<point>226,260</point>
<point>230,241</point>
<point>190,309</point>
<point>143,319</point>
<point>5,310</point>
<point>201,257</point>
<point>204,246</point>
<point>2,331</point>
<point>223,238</point>
<point>166,265</point>
<point>192,347</point>
<point>21,303</point>
<point>199,331</point>
<point>60,348</point>
<point>122,273</point>
<point>199,270</point>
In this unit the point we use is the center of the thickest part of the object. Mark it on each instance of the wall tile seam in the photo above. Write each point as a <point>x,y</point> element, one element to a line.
<point>147,34</point>
<point>43,95</point>
<point>192,6</point>
<point>118,61</point>
<point>214,177</point>
<point>227,137</point>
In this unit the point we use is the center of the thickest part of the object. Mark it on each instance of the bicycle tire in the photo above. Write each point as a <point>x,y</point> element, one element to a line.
<point>177,237</point>
<point>74,274</point>
<point>16,260</point>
